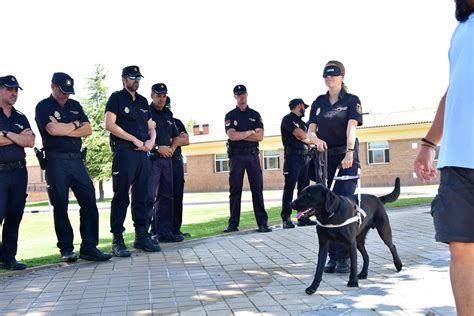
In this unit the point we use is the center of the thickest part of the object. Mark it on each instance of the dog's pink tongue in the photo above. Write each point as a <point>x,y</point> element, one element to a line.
<point>300,214</point>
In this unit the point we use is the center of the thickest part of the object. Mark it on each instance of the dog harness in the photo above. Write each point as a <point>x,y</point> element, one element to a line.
<point>359,217</point>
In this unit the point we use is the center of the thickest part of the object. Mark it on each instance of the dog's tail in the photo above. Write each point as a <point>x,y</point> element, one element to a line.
<point>393,196</point>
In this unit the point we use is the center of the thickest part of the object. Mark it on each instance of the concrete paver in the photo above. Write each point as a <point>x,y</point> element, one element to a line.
<point>245,274</point>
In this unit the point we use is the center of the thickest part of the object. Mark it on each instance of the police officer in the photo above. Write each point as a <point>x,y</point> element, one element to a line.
<point>178,175</point>
<point>295,169</point>
<point>244,127</point>
<point>160,183</point>
<point>333,120</point>
<point>16,135</point>
<point>62,123</point>
<point>132,136</point>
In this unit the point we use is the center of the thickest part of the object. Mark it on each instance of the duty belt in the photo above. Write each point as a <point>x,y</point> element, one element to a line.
<point>243,151</point>
<point>13,165</point>
<point>300,152</point>
<point>336,151</point>
<point>61,155</point>
<point>122,143</point>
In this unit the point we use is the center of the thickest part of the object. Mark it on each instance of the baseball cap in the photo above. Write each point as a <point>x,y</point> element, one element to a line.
<point>10,82</point>
<point>295,102</point>
<point>131,71</point>
<point>64,82</point>
<point>240,89</point>
<point>159,88</point>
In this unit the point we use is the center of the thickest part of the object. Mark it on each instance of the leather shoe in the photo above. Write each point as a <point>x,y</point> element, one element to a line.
<point>68,256</point>
<point>13,265</point>
<point>342,266</point>
<point>231,229</point>
<point>170,238</point>
<point>94,254</point>
<point>264,229</point>
<point>185,234</point>
<point>304,221</point>
<point>330,266</point>
<point>288,224</point>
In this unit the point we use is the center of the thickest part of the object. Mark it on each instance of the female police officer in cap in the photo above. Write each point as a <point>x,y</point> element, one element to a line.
<point>333,120</point>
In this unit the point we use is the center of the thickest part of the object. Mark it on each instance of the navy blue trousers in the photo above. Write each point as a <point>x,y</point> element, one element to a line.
<point>295,170</point>
<point>130,168</point>
<point>160,196</point>
<point>62,174</point>
<point>12,204</point>
<point>238,165</point>
<point>178,191</point>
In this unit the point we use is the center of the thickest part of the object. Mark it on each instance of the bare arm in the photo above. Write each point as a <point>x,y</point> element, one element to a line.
<point>24,139</point>
<point>257,137</point>
<point>301,135</point>
<point>181,140</point>
<point>111,126</point>
<point>236,136</point>
<point>5,141</point>
<point>320,144</point>
<point>424,162</point>
<point>56,128</point>
<point>150,143</point>
<point>351,137</point>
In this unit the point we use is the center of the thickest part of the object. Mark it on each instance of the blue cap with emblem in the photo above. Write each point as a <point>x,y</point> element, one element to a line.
<point>159,88</point>
<point>131,71</point>
<point>10,82</point>
<point>293,103</point>
<point>240,89</point>
<point>64,82</point>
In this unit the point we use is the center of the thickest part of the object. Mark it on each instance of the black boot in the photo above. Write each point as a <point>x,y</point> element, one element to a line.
<point>118,246</point>
<point>144,242</point>
<point>330,266</point>
<point>342,266</point>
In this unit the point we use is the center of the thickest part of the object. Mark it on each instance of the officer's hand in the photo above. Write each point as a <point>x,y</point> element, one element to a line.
<point>138,144</point>
<point>321,145</point>
<point>26,131</point>
<point>149,145</point>
<point>424,163</point>
<point>166,151</point>
<point>348,160</point>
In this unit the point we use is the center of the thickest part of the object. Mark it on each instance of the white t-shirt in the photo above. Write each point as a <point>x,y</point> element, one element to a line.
<point>457,145</point>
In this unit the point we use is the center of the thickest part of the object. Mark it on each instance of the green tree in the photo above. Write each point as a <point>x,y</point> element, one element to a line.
<point>189,126</point>
<point>99,155</point>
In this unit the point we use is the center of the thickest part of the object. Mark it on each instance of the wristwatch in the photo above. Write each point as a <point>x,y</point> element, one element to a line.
<point>5,132</point>
<point>157,148</point>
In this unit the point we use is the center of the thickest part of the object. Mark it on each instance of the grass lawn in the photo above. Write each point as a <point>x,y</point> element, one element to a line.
<point>37,240</point>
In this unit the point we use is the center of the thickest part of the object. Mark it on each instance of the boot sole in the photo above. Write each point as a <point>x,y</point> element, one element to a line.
<point>91,258</point>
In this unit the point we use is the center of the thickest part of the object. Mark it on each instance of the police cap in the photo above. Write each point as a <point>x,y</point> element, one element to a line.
<point>64,82</point>
<point>131,71</point>
<point>240,89</point>
<point>293,103</point>
<point>9,82</point>
<point>159,88</point>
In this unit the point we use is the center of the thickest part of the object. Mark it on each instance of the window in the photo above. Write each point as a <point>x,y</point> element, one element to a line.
<point>221,163</point>
<point>185,165</point>
<point>378,153</point>
<point>271,159</point>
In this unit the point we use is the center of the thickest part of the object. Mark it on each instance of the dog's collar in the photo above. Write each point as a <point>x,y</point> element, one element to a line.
<point>360,215</point>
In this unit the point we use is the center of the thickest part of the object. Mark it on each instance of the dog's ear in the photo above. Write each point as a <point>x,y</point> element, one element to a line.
<point>332,202</point>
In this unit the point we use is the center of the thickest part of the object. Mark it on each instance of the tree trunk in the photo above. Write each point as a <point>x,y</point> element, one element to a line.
<point>101,190</point>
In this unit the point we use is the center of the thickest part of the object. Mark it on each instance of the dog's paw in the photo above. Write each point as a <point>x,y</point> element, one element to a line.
<point>353,283</point>
<point>398,266</point>
<point>362,276</point>
<point>310,290</point>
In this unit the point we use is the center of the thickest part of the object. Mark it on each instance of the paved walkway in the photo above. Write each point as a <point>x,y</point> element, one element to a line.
<point>246,273</point>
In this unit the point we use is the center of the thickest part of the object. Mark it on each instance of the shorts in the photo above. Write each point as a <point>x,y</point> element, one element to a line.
<point>453,208</point>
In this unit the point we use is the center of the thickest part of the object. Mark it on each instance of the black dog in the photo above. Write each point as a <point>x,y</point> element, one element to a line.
<point>340,219</point>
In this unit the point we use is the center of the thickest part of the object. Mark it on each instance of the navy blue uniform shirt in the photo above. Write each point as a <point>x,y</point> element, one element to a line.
<point>165,126</point>
<point>70,112</point>
<point>242,121</point>
<point>16,123</point>
<point>181,128</point>
<point>132,116</point>
<point>331,120</point>
<point>289,123</point>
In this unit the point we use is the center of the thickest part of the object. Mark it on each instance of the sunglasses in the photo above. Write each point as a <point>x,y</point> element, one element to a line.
<point>135,77</point>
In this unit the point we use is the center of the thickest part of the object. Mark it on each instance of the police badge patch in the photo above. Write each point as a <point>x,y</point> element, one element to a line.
<point>57,115</point>
<point>126,110</point>
<point>235,122</point>
<point>359,108</point>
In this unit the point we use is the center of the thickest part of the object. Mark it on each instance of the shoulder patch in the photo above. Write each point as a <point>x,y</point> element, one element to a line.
<point>19,112</point>
<point>359,108</point>
<point>227,123</point>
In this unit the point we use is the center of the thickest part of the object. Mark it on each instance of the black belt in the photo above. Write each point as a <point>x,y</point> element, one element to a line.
<point>60,155</point>
<point>300,152</point>
<point>336,151</point>
<point>243,151</point>
<point>122,143</point>
<point>13,165</point>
